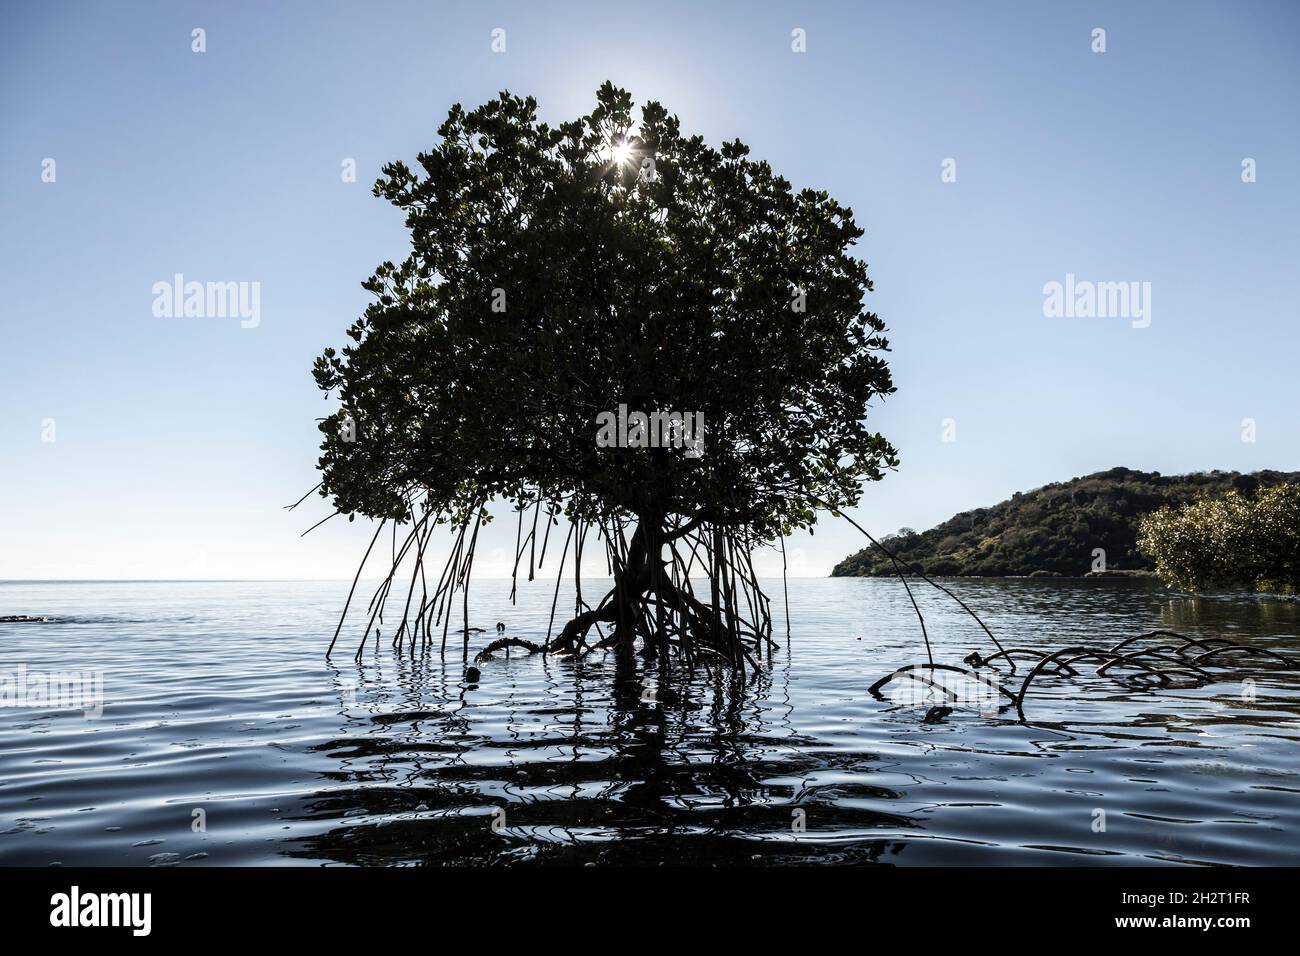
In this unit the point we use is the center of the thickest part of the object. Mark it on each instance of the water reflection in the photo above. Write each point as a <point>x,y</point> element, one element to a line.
<point>586,764</point>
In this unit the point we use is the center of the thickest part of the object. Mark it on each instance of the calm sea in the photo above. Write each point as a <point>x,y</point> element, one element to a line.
<point>226,738</point>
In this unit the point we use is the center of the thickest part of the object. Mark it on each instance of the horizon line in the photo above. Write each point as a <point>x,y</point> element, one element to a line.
<point>347,580</point>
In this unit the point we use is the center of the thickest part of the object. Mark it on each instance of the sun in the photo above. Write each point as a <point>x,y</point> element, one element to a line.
<point>622,153</point>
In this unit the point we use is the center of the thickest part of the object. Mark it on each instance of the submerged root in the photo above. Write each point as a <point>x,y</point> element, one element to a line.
<point>502,643</point>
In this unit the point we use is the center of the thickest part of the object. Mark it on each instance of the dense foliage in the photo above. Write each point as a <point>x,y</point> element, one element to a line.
<point>557,272</point>
<point>1234,540</point>
<point>1055,529</point>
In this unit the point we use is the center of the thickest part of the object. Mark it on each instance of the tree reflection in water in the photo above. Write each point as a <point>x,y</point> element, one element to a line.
<point>556,762</point>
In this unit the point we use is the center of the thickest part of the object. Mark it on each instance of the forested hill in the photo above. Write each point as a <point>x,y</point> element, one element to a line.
<point>1053,529</point>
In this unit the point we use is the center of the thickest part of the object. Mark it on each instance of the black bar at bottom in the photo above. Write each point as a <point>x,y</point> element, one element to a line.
<point>334,905</point>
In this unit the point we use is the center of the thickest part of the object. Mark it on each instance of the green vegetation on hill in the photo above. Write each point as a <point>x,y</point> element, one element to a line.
<point>1055,529</point>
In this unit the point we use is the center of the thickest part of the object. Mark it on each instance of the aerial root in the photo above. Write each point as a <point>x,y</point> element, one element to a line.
<point>1158,666</point>
<point>653,609</point>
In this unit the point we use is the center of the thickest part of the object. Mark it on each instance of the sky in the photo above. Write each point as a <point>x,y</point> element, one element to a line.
<point>134,445</point>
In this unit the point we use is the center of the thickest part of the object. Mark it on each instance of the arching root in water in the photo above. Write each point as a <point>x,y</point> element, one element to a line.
<point>1160,665</point>
<point>911,671</point>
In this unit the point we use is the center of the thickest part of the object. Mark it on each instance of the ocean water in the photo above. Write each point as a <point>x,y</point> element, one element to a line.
<point>226,738</point>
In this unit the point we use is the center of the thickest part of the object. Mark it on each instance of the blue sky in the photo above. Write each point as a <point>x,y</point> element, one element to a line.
<point>177,440</point>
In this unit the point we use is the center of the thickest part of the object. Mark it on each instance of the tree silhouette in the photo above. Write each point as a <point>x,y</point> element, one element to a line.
<point>616,322</point>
